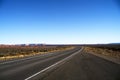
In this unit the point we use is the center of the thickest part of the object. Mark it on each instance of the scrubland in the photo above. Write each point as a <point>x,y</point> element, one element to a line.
<point>9,52</point>
<point>107,50</point>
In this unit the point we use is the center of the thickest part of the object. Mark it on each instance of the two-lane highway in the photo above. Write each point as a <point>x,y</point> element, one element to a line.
<point>22,68</point>
<point>85,66</point>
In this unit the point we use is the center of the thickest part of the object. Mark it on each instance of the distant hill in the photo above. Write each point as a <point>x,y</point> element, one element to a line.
<point>115,43</point>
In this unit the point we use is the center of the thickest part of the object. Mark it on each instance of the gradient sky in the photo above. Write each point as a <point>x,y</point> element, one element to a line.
<point>59,21</point>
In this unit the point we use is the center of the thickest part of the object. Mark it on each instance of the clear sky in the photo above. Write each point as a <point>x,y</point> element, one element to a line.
<point>59,21</point>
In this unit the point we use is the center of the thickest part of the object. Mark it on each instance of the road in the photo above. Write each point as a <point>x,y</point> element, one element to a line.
<point>85,66</point>
<point>81,66</point>
<point>23,68</point>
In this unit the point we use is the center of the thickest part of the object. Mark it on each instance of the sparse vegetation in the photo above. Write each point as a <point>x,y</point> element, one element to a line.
<point>8,52</point>
<point>108,50</point>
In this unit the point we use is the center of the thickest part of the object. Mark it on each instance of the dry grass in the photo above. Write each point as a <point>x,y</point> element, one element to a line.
<point>30,52</point>
<point>104,51</point>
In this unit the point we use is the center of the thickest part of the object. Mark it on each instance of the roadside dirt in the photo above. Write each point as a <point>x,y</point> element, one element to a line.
<point>107,54</point>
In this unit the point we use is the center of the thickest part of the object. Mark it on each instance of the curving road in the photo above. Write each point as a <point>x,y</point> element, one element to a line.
<point>21,69</point>
<point>80,66</point>
<point>85,66</point>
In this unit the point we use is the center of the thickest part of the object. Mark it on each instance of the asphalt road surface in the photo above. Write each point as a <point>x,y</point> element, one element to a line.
<point>81,66</point>
<point>22,68</point>
<point>85,66</point>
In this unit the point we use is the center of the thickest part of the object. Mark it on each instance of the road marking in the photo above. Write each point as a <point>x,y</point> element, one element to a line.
<point>16,60</point>
<point>54,65</point>
<point>29,57</point>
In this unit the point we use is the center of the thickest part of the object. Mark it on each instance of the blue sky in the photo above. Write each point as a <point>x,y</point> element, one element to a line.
<point>59,21</point>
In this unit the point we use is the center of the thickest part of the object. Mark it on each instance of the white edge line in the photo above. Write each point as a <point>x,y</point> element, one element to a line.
<point>53,65</point>
<point>16,60</point>
<point>22,59</point>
